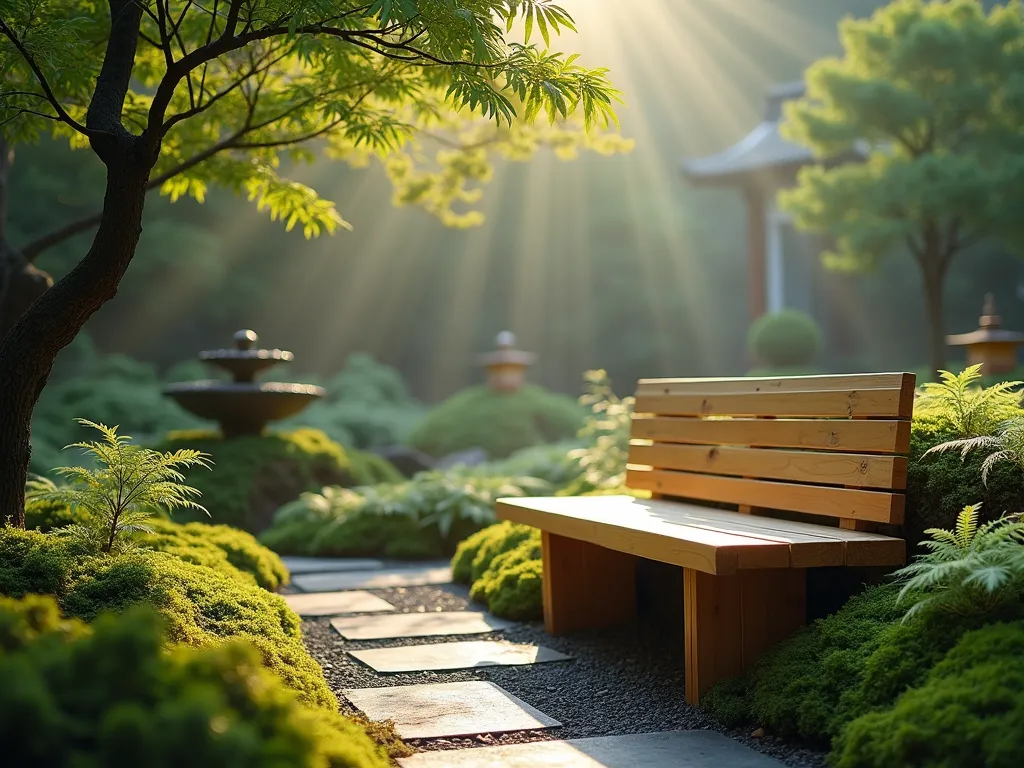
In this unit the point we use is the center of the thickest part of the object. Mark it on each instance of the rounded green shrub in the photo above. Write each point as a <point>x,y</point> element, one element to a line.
<point>940,485</point>
<point>789,339</point>
<point>499,423</point>
<point>511,584</point>
<point>253,476</point>
<point>474,555</point>
<point>110,695</point>
<point>967,713</point>
<point>200,605</point>
<point>221,547</point>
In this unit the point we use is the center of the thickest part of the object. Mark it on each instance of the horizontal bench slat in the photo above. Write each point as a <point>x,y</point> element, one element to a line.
<point>816,434</point>
<point>850,403</point>
<point>883,472</point>
<point>744,385</point>
<point>856,504</point>
<point>709,540</point>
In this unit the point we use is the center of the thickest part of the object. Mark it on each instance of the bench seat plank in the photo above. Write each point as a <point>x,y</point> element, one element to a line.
<point>867,436</point>
<point>708,540</point>
<point>748,385</point>
<point>852,503</point>
<point>883,472</point>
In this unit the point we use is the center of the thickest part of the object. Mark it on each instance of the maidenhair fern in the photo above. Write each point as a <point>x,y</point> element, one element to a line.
<point>971,569</point>
<point>123,492</point>
<point>972,411</point>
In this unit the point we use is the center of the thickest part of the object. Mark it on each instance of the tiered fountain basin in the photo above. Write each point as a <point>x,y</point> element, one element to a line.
<point>243,406</point>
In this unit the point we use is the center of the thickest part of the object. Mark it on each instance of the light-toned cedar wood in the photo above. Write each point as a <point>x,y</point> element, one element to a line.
<point>875,403</point>
<point>809,545</point>
<point>904,382</point>
<point>884,472</point>
<point>646,535</point>
<point>774,605</point>
<point>854,525</point>
<point>585,586</point>
<point>876,506</point>
<point>882,436</point>
<point>713,630</point>
<point>732,620</point>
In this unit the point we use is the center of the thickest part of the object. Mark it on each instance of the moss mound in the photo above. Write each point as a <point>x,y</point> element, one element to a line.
<point>221,547</point>
<point>110,695</point>
<point>253,476</point>
<point>940,485</point>
<point>502,564</point>
<point>200,605</point>
<point>968,712</point>
<point>500,424</point>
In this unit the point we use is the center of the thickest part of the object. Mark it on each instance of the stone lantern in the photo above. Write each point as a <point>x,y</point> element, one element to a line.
<point>506,366</point>
<point>994,348</point>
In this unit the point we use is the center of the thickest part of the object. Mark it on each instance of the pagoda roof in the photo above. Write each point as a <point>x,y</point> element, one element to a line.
<point>762,150</point>
<point>985,336</point>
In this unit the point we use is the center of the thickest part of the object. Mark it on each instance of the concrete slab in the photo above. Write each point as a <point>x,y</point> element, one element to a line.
<point>300,565</point>
<point>446,656</point>
<point>435,624</point>
<point>448,709</point>
<point>674,749</point>
<point>379,579</point>
<point>335,603</point>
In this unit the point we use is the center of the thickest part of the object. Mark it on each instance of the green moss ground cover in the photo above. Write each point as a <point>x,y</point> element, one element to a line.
<point>111,694</point>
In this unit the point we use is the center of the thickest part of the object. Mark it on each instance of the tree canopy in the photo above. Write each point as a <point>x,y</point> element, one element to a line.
<point>922,120</point>
<point>232,91</point>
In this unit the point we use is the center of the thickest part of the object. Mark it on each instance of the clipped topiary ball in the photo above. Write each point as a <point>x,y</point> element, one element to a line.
<point>787,339</point>
<point>500,423</point>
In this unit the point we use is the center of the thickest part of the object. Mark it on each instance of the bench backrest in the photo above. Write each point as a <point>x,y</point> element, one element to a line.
<point>819,445</point>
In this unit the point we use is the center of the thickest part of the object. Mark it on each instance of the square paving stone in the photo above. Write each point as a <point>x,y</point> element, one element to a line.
<point>448,709</point>
<point>334,603</point>
<point>445,656</point>
<point>299,565</point>
<point>418,625</point>
<point>675,749</point>
<point>379,579</point>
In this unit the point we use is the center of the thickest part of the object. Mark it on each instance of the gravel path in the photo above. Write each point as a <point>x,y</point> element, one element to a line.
<point>620,681</point>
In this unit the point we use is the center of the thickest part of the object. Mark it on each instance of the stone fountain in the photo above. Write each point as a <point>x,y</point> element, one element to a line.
<point>243,406</point>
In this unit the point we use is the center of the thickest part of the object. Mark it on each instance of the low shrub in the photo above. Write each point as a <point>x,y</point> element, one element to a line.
<point>967,712</point>
<point>499,423</point>
<point>474,555</point>
<point>110,695</point>
<point>221,547</point>
<point>253,476</point>
<point>200,605</point>
<point>511,586</point>
<point>789,339</point>
<point>423,517</point>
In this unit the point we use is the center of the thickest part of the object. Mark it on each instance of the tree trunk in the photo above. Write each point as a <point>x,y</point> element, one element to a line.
<point>934,279</point>
<point>52,322</point>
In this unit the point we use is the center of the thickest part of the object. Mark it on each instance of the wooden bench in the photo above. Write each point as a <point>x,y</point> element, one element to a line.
<point>828,447</point>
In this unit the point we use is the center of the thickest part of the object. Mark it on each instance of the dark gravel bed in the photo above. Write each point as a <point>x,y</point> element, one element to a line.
<point>622,681</point>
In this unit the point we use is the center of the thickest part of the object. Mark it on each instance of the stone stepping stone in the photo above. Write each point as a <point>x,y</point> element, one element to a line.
<point>441,657</point>
<point>418,625</point>
<point>379,579</point>
<point>674,749</point>
<point>448,709</point>
<point>334,603</point>
<point>299,565</point>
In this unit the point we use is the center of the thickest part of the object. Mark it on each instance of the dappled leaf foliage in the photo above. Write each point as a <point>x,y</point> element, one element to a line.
<point>436,91</point>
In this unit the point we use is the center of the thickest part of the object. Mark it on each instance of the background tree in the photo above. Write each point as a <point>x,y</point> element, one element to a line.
<point>359,75</point>
<point>932,94</point>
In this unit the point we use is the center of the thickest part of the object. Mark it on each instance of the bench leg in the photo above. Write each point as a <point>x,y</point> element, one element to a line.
<point>586,586</point>
<point>732,620</point>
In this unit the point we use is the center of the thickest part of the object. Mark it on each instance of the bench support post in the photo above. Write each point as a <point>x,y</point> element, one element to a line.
<point>732,620</point>
<point>586,586</point>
